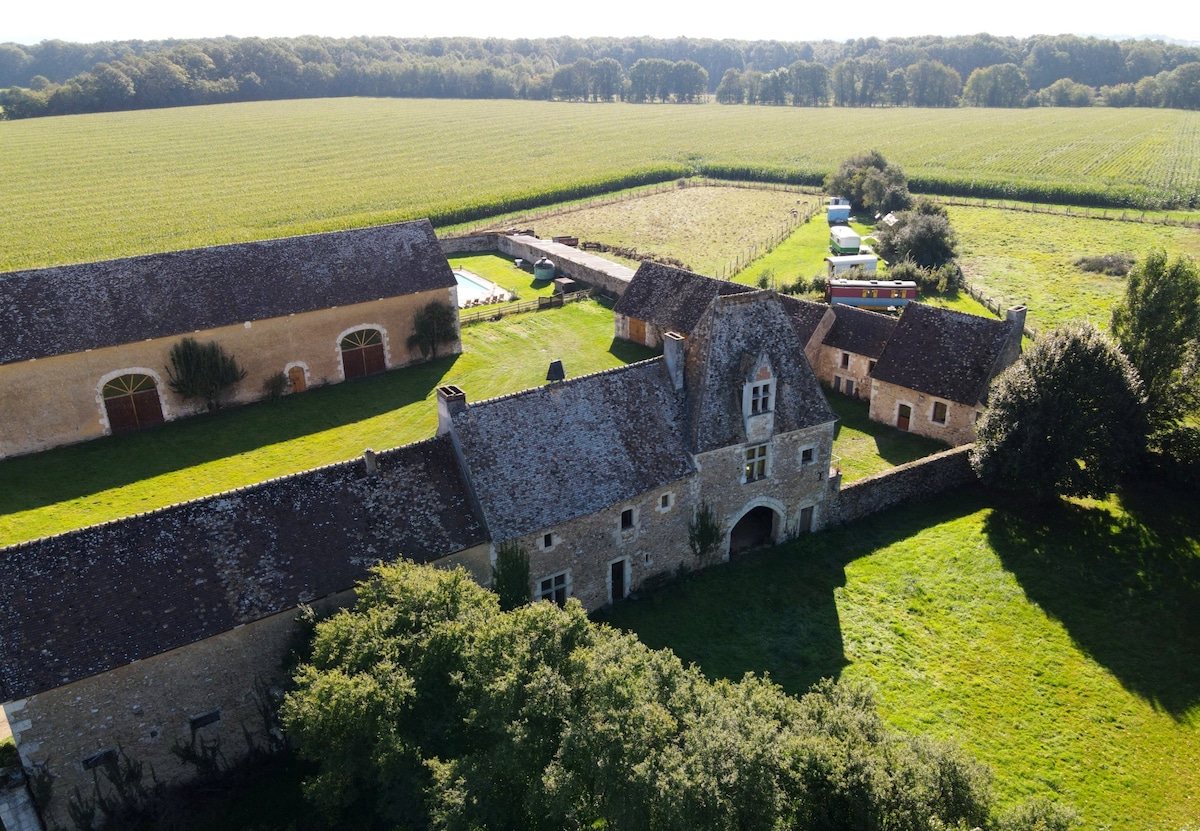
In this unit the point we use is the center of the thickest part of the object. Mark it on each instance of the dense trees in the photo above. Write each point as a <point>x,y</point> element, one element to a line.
<point>1067,419</point>
<point>922,236</point>
<point>426,705</point>
<point>54,78</point>
<point>870,183</point>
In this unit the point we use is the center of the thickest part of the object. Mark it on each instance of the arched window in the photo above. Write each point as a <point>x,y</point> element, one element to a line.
<point>131,402</point>
<point>362,353</point>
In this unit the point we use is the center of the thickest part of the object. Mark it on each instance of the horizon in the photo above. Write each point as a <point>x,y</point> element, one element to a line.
<point>128,20</point>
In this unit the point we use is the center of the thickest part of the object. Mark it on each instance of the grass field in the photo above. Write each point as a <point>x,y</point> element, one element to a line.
<point>84,484</point>
<point>1062,648</point>
<point>88,187</point>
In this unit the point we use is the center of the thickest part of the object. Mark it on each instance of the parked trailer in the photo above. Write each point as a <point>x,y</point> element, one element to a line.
<point>838,210</point>
<point>865,263</point>
<point>870,293</point>
<point>843,240</point>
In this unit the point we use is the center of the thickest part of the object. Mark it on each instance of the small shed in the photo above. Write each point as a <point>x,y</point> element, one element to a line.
<point>565,285</point>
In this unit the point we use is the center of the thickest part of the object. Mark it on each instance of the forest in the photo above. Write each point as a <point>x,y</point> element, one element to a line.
<point>58,78</point>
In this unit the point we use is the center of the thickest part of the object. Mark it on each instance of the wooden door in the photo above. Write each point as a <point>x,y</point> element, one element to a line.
<point>904,416</point>
<point>131,403</point>
<point>618,580</point>
<point>637,330</point>
<point>362,353</point>
<point>296,379</point>
<point>806,515</point>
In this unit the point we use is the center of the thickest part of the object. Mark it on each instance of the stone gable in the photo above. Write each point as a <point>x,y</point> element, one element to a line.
<point>671,298</point>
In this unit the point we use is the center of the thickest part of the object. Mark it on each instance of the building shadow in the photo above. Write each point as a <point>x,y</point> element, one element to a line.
<point>65,473</point>
<point>1125,586</point>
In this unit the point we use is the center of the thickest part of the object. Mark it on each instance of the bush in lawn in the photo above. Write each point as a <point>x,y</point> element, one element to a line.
<point>202,371</point>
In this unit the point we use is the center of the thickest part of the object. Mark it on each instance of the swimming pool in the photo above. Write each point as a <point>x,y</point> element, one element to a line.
<point>473,290</point>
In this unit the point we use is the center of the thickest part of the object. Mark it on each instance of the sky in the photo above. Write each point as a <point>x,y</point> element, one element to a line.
<point>89,21</point>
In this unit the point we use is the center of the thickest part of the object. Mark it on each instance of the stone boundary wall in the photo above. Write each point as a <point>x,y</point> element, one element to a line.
<point>583,266</point>
<point>911,482</point>
<point>473,244</point>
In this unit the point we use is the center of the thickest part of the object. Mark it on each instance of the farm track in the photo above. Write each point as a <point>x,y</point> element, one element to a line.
<point>89,187</point>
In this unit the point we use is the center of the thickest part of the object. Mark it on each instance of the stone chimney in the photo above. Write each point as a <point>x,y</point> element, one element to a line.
<point>1017,314</point>
<point>450,402</point>
<point>369,461</point>
<point>674,349</point>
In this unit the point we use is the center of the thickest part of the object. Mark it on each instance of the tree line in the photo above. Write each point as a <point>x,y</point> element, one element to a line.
<point>57,78</point>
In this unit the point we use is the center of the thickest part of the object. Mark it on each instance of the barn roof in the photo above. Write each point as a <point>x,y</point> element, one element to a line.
<point>551,454</point>
<point>671,298</point>
<point>65,309</point>
<point>89,601</point>
<point>859,331</point>
<point>946,354</point>
<point>735,331</point>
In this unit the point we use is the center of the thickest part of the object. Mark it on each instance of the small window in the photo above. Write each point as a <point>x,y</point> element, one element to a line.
<point>939,412</point>
<point>666,502</point>
<point>845,360</point>
<point>626,519</point>
<point>760,398</point>
<point>547,541</point>
<point>556,588</point>
<point>756,462</point>
<point>808,455</point>
<point>870,366</point>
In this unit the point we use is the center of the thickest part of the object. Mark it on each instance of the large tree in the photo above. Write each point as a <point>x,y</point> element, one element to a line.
<point>922,236</point>
<point>1157,325</point>
<point>426,705</point>
<point>1067,419</point>
<point>870,183</point>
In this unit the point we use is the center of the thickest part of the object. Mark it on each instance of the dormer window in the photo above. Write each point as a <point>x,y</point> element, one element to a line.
<point>762,398</point>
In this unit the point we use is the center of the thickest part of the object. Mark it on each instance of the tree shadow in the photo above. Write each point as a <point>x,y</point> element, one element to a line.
<point>892,445</point>
<point>1125,585</point>
<point>64,473</point>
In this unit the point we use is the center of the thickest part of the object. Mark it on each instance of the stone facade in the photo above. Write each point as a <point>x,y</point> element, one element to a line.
<point>911,482</point>
<point>278,306</point>
<point>925,415</point>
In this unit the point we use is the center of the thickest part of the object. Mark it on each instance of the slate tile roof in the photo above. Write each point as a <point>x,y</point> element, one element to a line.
<point>944,353</point>
<point>731,335</point>
<point>53,311</point>
<point>859,331</point>
<point>92,600</point>
<point>551,454</point>
<point>805,315</point>
<point>671,298</point>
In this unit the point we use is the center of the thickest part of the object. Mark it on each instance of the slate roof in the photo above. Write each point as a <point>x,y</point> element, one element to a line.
<point>92,600</point>
<point>859,331</point>
<point>551,454</point>
<point>944,353</point>
<point>671,298</point>
<point>804,315</point>
<point>733,333</point>
<point>54,311</point>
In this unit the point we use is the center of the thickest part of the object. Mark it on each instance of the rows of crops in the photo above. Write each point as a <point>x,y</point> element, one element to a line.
<point>86,187</point>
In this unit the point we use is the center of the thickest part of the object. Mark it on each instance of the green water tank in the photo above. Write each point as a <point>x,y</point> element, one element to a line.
<point>543,270</point>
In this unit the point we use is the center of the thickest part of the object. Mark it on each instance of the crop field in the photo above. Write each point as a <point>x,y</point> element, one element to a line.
<point>1060,648</point>
<point>88,187</point>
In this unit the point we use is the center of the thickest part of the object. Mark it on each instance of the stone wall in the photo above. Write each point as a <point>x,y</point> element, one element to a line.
<point>910,482</point>
<point>958,429</point>
<point>585,267</point>
<point>857,370</point>
<point>473,244</point>
<point>54,401</point>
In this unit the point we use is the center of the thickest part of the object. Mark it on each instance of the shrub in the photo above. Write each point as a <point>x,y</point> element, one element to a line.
<point>202,371</point>
<point>1114,265</point>
<point>275,386</point>
<point>510,576</point>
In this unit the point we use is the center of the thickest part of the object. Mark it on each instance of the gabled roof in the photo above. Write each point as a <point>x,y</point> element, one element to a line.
<point>944,353</point>
<point>805,315</point>
<point>91,600</point>
<point>859,331</point>
<point>54,311</point>
<point>551,454</point>
<point>671,298</point>
<point>733,334</point>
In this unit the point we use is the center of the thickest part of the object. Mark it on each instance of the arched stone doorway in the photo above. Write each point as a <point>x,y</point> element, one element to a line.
<point>755,529</point>
<point>131,402</point>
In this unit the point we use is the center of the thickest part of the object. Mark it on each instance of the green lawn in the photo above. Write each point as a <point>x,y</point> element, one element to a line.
<point>867,447</point>
<point>112,477</point>
<point>501,270</point>
<point>1061,647</point>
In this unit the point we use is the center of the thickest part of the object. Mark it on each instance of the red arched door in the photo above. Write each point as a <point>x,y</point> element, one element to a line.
<point>132,403</point>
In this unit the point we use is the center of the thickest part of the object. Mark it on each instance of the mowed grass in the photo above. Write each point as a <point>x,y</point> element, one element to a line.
<point>866,447</point>
<point>1019,257</point>
<point>84,484</point>
<point>80,188</point>
<point>1061,647</point>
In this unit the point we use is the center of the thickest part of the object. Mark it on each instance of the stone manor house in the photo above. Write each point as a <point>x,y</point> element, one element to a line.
<point>169,629</point>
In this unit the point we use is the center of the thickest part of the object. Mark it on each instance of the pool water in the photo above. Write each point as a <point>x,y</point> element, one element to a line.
<point>474,290</point>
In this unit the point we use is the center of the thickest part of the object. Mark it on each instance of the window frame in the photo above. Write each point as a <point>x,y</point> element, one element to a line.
<point>756,462</point>
<point>559,581</point>
<point>933,415</point>
<point>762,397</point>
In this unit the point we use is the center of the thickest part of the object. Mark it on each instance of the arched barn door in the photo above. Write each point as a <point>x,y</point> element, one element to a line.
<point>131,402</point>
<point>753,530</point>
<point>362,353</point>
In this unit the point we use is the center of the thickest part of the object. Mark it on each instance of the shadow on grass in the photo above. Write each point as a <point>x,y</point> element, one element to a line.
<point>774,610</point>
<point>629,352</point>
<point>893,446</point>
<point>1127,588</point>
<point>66,473</point>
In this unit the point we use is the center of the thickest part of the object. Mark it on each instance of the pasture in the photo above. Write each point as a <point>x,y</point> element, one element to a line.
<point>88,187</point>
<point>1061,648</point>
